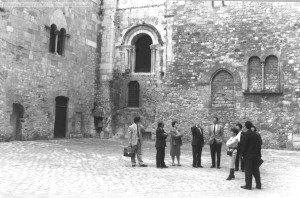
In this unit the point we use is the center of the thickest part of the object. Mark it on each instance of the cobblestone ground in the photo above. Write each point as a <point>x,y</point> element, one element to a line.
<point>96,168</point>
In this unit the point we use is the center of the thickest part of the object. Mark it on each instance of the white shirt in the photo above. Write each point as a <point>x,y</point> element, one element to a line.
<point>239,136</point>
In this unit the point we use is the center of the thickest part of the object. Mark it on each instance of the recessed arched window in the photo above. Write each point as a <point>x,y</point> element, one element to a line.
<point>133,94</point>
<point>57,40</point>
<point>52,42</point>
<point>263,76</point>
<point>61,41</point>
<point>222,90</point>
<point>254,74</point>
<point>271,74</point>
<point>143,54</point>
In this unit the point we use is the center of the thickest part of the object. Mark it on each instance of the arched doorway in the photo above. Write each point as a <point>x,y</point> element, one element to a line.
<point>16,120</point>
<point>60,124</point>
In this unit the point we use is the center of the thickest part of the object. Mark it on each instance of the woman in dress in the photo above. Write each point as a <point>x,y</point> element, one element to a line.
<point>176,143</point>
<point>232,143</point>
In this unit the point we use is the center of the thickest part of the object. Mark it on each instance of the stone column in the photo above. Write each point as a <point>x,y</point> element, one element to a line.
<point>278,77</point>
<point>132,56</point>
<point>152,47</point>
<point>122,60</point>
<point>56,32</point>
<point>263,75</point>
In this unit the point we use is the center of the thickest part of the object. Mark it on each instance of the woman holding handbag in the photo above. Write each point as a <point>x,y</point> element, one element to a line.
<point>232,144</point>
<point>176,143</point>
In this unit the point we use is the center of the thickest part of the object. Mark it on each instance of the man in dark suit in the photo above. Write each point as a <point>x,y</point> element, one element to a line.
<point>197,144</point>
<point>250,150</point>
<point>160,145</point>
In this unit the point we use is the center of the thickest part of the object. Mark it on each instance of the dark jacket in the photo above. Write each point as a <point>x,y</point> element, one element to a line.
<point>260,144</point>
<point>161,136</point>
<point>197,136</point>
<point>251,145</point>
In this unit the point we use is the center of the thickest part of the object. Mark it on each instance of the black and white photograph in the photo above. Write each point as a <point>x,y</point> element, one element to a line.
<point>149,98</point>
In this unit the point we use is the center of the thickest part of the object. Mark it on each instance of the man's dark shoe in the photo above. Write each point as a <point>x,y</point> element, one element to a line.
<point>165,166</point>
<point>258,187</point>
<point>218,167</point>
<point>143,165</point>
<point>213,167</point>
<point>245,187</point>
<point>133,165</point>
<point>195,166</point>
<point>200,166</point>
<point>236,169</point>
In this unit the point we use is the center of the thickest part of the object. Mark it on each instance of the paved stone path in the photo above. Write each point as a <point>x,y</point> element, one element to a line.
<point>96,168</point>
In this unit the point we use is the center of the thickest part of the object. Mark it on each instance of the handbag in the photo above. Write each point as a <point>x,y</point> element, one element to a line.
<point>128,151</point>
<point>230,151</point>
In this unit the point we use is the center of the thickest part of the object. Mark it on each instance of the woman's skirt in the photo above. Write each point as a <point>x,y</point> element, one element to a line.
<point>174,150</point>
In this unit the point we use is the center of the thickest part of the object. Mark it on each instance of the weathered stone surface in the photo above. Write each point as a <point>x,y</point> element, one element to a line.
<point>33,77</point>
<point>204,67</point>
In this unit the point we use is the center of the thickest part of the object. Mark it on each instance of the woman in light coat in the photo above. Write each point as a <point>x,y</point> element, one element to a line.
<point>175,143</point>
<point>232,143</point>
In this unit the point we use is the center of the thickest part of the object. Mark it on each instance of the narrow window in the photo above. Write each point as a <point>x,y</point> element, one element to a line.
<point>52,42</point>
<point>61,41</point>
<point>143,54</point>
<point>133,94</point>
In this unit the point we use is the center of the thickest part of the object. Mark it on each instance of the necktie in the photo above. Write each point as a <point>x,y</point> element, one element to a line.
<point>214,129</point>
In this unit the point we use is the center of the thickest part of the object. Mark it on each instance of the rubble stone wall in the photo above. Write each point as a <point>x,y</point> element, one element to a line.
<point>237,61</point>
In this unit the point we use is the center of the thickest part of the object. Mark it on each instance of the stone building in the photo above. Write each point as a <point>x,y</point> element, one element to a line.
<point>48,58</point>
<point>190,60</point>
<point>66,71</point>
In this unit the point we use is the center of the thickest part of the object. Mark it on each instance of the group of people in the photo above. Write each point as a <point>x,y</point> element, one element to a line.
<point>244,147</point>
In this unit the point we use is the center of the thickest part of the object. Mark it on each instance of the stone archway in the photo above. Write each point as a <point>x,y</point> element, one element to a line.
<point>127,50</point>
<point>16,121</point>
<point>60,125</point>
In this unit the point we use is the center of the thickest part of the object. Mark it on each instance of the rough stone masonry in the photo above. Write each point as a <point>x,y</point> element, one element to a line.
<point>237,60</point>
<point>47,94</point>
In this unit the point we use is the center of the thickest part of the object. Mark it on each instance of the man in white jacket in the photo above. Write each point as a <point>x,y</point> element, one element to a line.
<point>135,140</point>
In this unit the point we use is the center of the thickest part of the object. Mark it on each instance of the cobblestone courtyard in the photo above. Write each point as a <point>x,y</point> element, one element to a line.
<point>96,168</point>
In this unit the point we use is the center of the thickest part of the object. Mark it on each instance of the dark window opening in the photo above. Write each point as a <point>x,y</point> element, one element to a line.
<point>143,54</point>
<point>52,42</point>
<point>133,94</point>
<point>61,41</point>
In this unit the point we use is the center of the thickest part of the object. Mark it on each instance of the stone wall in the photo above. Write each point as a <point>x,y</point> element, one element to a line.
<point>206,66</point>
<point>32,77</point>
